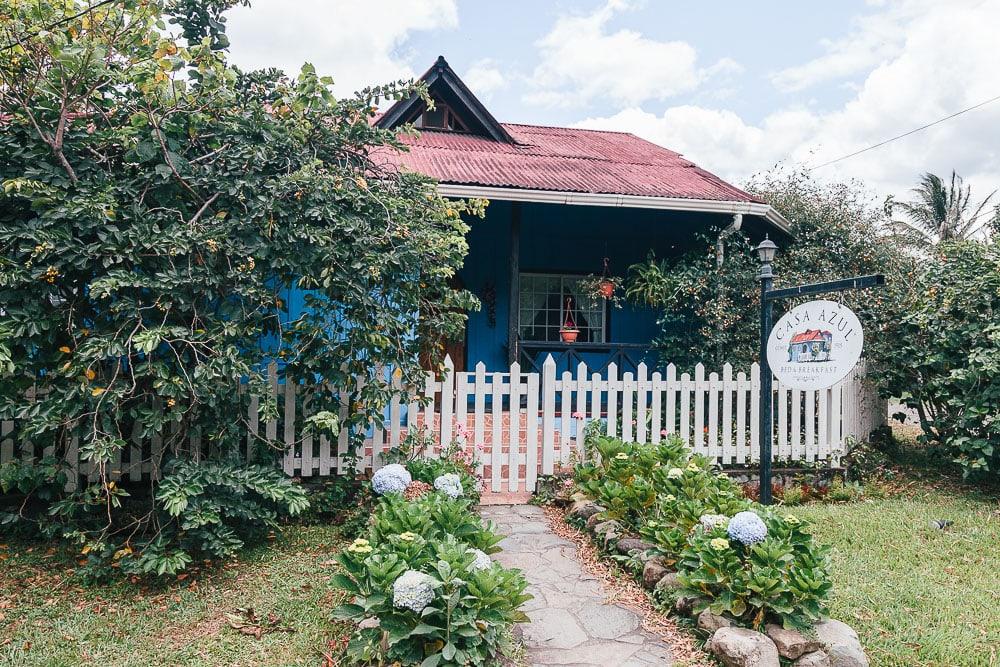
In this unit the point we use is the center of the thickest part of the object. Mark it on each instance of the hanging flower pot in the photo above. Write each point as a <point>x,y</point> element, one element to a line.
<point>606,288</point>
<point>568,335</point>
<point>568,331</point>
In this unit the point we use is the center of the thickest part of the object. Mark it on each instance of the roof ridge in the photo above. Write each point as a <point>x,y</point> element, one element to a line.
<point>575,129</point>
<point>687,163</point>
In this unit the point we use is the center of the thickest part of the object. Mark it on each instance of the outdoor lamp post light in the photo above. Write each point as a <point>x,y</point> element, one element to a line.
<point>766,252</point>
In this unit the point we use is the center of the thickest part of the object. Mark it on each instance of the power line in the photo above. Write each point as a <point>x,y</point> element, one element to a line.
<point>905,134</point>
<point>62,21</point>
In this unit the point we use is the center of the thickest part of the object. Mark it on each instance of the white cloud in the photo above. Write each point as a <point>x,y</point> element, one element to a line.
<point>875,38</point>
<point>946,61</point>
<point>582,61</point>
<point>484,78</point>
<point>359,44</point>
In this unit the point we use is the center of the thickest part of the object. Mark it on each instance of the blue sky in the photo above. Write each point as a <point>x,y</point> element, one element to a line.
<point>738,87</point>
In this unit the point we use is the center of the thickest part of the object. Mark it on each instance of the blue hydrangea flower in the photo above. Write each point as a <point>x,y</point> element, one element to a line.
<point>449,484</point>
<point>413,590</point>
<point>393,478</point>
<point>482,562</point>
<point>747,528</point>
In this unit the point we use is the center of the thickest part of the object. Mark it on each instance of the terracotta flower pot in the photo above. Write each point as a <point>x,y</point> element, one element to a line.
<point>569,335</point>
<point>606,288</point>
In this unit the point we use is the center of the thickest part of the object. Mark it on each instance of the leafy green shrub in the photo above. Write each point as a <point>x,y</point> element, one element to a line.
<point>676,501</point>
<point>203,511</point>
<point>792,494</point>
<point>945,360</point>
<point>424,590</point>
<point>660,489</point>
<point>784,577</point>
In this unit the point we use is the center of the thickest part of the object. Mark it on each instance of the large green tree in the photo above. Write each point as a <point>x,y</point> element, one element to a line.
<point>710,312</point>
<point>158,208</point>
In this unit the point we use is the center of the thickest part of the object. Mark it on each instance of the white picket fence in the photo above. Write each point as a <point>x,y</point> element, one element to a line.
<point>528,424</point>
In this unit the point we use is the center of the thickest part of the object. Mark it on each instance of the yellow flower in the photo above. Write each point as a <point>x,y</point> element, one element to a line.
<point>621,456</point>
<point>719,543</point>
<point>674,473</point>
<point>669,498</point>
<point>792,519</point>
<point>90,374</point>
<point>407,536</point>
<point>65,349</point>
<point>693,467</point>
<point>361,183</point>
<point>171,402</point>
<point>97,391</point>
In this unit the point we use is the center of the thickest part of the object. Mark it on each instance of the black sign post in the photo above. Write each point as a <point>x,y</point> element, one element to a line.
<point>766,251</point>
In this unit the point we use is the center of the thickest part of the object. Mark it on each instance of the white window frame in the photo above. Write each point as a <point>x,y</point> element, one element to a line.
<point>601,308</point>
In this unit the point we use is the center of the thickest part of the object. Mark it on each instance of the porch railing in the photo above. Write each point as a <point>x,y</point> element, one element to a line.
<point>625,356</point>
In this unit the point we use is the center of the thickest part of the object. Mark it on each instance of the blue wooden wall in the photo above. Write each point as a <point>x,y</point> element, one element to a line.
<point>567,239</point>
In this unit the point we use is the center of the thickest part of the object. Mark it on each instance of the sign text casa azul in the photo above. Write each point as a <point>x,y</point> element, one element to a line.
<point>815,345</point>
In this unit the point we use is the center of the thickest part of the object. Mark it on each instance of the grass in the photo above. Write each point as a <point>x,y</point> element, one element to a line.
<point>917,595</point>
<point>48,619</point>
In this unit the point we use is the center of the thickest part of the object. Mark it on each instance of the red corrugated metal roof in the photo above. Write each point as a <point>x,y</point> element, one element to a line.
<point>809,335</point>
<point>563,159</point>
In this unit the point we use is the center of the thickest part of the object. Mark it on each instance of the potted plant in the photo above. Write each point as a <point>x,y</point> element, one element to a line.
<point>596,288</point>
<point>568,331</point>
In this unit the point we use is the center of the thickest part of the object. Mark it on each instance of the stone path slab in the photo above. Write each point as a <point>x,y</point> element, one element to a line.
<point>572,623</point>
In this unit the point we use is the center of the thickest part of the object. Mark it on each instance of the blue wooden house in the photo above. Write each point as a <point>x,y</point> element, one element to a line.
<point>562,200</point>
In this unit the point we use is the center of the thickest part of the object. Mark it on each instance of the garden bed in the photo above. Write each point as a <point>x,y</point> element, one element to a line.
<point>753,579</point>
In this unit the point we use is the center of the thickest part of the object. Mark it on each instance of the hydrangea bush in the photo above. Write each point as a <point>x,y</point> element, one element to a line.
<point>732,556</point>
<point>424,590</point>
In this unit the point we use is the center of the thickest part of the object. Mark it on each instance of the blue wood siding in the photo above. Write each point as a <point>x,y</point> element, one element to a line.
<point>565,240</point>
<point>570,240</point>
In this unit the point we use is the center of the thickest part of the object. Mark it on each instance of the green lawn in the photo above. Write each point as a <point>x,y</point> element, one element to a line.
<point>46,618</point>
<point>917,595</point>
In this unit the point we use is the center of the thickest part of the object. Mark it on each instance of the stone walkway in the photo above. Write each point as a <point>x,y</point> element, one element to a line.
<point>571,620</point>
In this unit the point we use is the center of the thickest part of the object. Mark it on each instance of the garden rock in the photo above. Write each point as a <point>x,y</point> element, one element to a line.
<point>791,643</point>
<point>740,647</point>
<point>669,582</point>
<point>594,519</point>
<point>584,509</point>
<point>814,659</point>
<point>630,544</point>
<point>578,496</point>
<point>652,572</point>
<point>685,605</point>
<point>607,530</point>
<point>842,644</point>
<point>710,622</point>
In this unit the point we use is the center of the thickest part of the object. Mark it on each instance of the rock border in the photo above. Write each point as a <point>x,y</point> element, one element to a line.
<point>832,643</point>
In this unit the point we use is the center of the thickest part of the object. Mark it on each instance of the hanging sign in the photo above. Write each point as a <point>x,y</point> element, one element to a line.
<point>815,345</point>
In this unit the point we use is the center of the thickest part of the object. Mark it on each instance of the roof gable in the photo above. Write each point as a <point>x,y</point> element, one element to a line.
<point>444,85</point>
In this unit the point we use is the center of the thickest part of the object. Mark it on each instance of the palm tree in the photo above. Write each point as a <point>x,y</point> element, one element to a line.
<point>942,212</point>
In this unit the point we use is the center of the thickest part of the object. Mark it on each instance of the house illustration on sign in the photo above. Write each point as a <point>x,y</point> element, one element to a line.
<point>810,345</point>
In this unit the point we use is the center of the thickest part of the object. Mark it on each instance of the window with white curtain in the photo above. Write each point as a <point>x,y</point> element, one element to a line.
<point>543,308</point>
